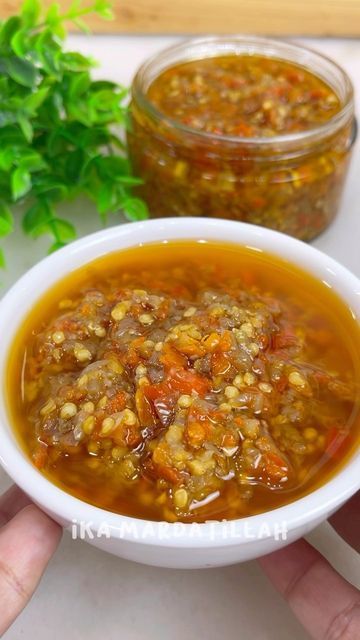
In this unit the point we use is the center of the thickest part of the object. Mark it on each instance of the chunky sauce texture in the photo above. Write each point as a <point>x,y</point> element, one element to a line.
<point>187,381</point>
<point>243,95</point>
<point>196,159</point>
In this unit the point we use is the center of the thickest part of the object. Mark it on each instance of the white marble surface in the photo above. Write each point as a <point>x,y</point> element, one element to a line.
<point>92,595</point>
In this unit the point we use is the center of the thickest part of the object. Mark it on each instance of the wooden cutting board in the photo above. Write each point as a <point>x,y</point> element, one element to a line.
<point>280,17</point>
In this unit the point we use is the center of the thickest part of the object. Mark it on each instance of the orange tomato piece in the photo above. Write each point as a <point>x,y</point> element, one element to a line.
<point>40,455</point>
<point>187,381</point>
<point>171,357</point>
<point>275,466</point>
<point>220,364</point>
<point>116,403</point>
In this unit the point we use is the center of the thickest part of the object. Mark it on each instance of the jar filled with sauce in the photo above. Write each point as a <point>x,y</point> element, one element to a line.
<point>243,128</point>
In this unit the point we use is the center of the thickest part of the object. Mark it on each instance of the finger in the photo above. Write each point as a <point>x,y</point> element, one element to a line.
<point>27,543</point>
<point>327,605</point>
<point>346,522</point>
<point>11,502</point>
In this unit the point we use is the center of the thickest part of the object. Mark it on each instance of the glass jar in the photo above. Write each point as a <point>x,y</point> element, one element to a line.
<point>291,182</point>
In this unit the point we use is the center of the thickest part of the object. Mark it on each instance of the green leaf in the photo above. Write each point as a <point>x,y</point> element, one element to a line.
<point>110,167</point>
<point>73,61</point>
<point>32,160</point>
<point>26,127</point>
<point>50,186</point>
<point>22,71</point>
<point>56,246</point>
<point>49,52</point>
<point>96,85</point>
<point>106,199</point>
<point>105,100</point>
<point>4,87</point>
<point>8,29</point>
<point>54,19</point>
<point>94,137</point>
<point>81,25</point>
<point>20,183</point>
<point>20,43</point>
<point>63,230</point>
<point>11,136</point>
<point>36,217</point>
<point>53,13</point>
<point>103,9</point>
<point>7,156</point>
<point>80,111</point>
<point>129,181</point>
<point>55,143</point>
<point>30,12</point>
<point>59,30</point>
<point>79,84</point>
<point>57,125</point>
<point>74,165</point>
<point>135,209</point>
<point>6,220</point>
<point>51,116</point>
<point>33,101</point>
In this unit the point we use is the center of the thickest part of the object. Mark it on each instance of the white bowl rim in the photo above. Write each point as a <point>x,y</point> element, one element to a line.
<point>302,512</point>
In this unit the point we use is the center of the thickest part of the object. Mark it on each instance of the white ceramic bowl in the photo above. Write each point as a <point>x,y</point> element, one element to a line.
<point>163,544</point>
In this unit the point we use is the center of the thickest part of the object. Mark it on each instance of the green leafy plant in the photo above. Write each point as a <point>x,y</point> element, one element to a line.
<point>60,130</point>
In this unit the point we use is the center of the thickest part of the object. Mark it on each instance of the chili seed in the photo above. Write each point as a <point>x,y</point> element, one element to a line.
<point>185,401</point>
<point>196,467</point>
<point>117,453</point>
<point>180,498</point>
<point>265,387</point>
<point>129,417</point>
<point>83,380</point>
<point>48,407</point>
<point>119,311</point>
<point>89,407</point>
<point>225,406</point>
<point>88,425</point>
<point>68,410</point>
<point>107,426</point>
<point>295,378</point>
<point>82,354</point>
<point>102,402</point>
<point>254,349</point>
<point>128,468</point>
<point>189,312</point>
<point>141,370</point>
<point>238,381</point>
<point>116,367</point>
<point>146,318</point>
<point>231,392</point>
<point>249,378</point>
<point>247,328</point>
<point>58,337</point>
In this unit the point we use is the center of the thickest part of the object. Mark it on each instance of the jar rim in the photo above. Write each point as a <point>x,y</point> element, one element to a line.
<point>252,44</point>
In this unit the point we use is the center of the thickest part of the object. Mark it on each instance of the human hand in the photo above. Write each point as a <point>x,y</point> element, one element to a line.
<point>28,539</point>
<point>327,605</point>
